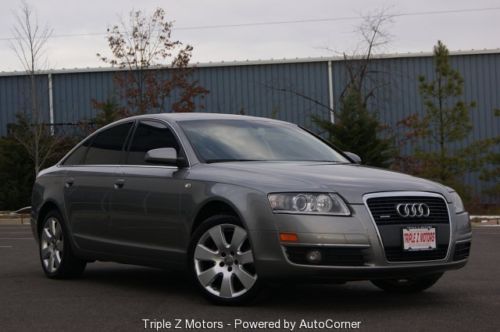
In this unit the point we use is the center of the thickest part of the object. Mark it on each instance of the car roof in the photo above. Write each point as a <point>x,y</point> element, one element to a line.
<point>179,117</point>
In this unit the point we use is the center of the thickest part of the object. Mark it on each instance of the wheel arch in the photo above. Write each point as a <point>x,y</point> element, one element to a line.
<point>46,207</point>
<point>212,207</point>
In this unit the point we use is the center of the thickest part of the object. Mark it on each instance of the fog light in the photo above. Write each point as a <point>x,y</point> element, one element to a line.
<point>313,256</point>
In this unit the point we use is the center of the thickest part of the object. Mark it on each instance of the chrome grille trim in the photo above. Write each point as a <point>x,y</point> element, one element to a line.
<point>403,194</point>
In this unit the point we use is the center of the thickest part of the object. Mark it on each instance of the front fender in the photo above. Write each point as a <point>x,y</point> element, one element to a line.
<point>249,204</point>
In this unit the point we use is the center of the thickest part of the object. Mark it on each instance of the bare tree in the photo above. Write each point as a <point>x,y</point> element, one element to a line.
<point>29,44</point>
<point>356,127</point>
<point>373,36</point>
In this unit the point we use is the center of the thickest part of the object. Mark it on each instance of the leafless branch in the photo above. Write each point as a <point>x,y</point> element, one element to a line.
<point>298,94</point>
<point>29,38</point>
<point>29,44</point>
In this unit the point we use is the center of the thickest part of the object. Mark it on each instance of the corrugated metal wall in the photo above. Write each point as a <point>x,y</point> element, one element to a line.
<point>399,96</point>
<point>252,90</point>
<point>73,94</point>
<point>14,99</point>
<point>255,90</point>
<point>273,89</point>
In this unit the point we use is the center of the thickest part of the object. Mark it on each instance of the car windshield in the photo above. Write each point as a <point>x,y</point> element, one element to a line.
<point>244,140</point>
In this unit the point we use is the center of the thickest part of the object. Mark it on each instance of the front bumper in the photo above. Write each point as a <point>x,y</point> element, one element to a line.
<point>354,234</point>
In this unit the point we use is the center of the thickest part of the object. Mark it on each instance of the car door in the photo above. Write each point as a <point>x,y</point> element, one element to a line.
<point>90,179</point>
<point>145,208</point>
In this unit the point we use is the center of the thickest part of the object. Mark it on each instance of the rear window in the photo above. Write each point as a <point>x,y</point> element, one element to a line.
<point>76,157</point>
<point>107,146</point>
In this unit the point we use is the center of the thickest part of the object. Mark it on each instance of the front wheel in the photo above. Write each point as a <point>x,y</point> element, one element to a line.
<point>407,285</point>
<point>222,261</point>
<point>56,254</point>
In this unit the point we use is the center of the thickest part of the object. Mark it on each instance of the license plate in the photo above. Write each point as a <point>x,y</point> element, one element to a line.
<point>419,238</point>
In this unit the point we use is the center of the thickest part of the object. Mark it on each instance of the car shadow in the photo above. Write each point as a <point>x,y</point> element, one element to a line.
<point>358,295</point>
<point>143,279</point>
<point>291,296</point>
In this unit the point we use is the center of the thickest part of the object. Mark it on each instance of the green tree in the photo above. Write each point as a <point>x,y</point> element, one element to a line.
<point>107,111</point>
<point>352,126</point>
<point>38,140</point>
<point>16,174</point>
<point>17,163</point>
<point>358,130</point>
<point>446,121</point>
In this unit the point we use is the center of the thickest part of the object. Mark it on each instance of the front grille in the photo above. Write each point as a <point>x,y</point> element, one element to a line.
<point>390,226</point>
<point>462,251</point>
<point>383,210</point>
<point>399,255</point>
<point>330,256</point>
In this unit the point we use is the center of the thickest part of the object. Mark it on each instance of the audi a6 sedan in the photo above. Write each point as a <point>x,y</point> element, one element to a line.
<point>240,201</point>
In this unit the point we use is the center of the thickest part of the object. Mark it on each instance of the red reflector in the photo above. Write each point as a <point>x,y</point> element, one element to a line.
<point>289,237</point>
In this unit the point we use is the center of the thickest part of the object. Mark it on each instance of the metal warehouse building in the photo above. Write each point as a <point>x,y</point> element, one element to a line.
<point>263,88</point>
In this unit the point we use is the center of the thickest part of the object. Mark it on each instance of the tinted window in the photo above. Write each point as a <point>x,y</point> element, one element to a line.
<point>76,158</point>
<point>106,147</point>
<point>150,135</point>
<point>243,140</point>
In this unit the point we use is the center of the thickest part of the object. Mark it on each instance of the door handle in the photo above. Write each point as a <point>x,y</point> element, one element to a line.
<point>69,182</point>
<point>119,183</point>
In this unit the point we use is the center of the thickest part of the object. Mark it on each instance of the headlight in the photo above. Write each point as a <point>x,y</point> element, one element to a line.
<point>308,203</point>
<point>457,202</point>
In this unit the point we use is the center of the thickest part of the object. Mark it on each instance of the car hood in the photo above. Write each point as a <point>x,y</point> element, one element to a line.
<point>351,181</point>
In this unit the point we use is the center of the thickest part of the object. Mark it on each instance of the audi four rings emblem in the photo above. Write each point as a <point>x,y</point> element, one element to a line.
<point>413,210</point>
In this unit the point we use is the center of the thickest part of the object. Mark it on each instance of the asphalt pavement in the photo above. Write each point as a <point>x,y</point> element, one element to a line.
<point>115,297</point>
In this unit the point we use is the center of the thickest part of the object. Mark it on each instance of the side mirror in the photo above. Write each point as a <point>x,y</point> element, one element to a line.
<point>166,156</point>
<point>354,157</point>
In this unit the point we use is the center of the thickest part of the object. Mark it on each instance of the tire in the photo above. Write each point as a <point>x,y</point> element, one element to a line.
<point>221,261</point>
<point>409,285</point>
<point>56,254</point>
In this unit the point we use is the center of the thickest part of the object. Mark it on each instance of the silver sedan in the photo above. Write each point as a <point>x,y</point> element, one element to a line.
<point>239,201</point>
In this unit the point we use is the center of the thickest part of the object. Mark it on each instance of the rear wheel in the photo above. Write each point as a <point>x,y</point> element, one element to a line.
<point>56,254</point>
<point>407,285</point>
<point>222,261</point>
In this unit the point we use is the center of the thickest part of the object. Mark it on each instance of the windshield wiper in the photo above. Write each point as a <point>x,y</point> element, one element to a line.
<point>330,161</point>
<point>211,161</point>
<point>315,161</point>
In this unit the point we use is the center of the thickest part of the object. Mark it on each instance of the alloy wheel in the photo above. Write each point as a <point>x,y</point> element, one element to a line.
<point>52,245</point>
<point>224,263</point>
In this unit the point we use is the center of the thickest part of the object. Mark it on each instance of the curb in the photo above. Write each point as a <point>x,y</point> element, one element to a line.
<point>15,221</point>
<point>479,225</point>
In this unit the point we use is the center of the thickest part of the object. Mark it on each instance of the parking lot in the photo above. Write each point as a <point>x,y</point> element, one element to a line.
<point>118,297</point>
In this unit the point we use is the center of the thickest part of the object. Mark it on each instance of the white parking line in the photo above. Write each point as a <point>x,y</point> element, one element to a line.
<point>26,229</point>
<point>4,233</point>
<point>15,226</point>
<point>16,238</point>
<point>5,246</point>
